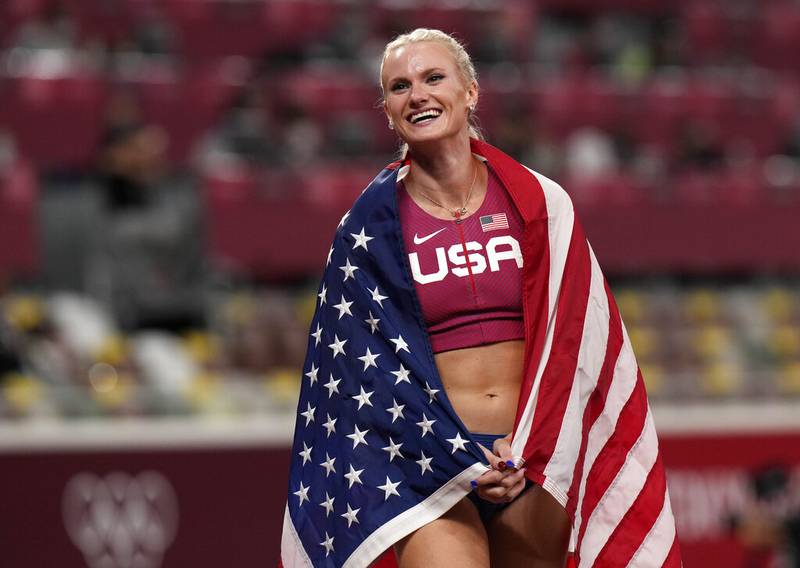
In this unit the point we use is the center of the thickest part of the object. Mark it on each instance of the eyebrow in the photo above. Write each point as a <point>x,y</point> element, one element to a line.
<point>423,73</point>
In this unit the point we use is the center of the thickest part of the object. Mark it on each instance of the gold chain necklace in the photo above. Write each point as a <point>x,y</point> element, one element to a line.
<point>458,212</point>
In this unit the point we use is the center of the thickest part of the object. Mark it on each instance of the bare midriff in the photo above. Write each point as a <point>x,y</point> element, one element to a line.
<point>483,384</point>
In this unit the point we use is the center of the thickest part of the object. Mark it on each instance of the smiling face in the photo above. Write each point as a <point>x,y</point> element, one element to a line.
<point>425,95</point>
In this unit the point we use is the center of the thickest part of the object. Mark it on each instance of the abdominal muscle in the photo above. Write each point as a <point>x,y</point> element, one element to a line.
<point>483,384</point>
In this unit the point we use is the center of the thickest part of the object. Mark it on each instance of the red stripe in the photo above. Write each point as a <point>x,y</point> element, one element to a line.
<point>613,455</point>
<point>637,522</point>
<point>597,400</point>
<point>557,379</point>
<point>674,557</point>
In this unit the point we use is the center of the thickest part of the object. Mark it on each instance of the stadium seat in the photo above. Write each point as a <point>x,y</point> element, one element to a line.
<point>777,36</point>
<point>188,103</point>
<point>19,221</point>
<point>56,120</point>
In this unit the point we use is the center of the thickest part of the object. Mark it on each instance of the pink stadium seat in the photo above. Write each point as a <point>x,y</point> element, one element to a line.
<point>756,121</point>
<point>56,121</point>
<point>240,204</point>
<point>295,23</point>
<point>464,23</point>
<point>777,36</point>
<point>19,229</point>
<point>329,96</point>
<point>707,31</point>
<point>111,22</point>
<point>323,92</point>
<point>13,13</point>
<point>187,105</point>
<point>660,110</point>
<point>219,28</point>
<point>575,101</point>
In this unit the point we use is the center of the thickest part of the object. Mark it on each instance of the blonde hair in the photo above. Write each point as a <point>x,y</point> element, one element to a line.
<point>463,61</point>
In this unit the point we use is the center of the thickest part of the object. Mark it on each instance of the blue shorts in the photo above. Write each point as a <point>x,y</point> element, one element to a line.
<point>486,509</point>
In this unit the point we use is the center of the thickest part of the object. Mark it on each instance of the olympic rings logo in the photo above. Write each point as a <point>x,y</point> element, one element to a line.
<point>121,521</point>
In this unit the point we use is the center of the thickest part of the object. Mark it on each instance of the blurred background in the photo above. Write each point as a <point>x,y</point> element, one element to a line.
<point>171,174</point>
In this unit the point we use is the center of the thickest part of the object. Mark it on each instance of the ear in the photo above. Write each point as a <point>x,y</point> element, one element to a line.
<point>472,95</point>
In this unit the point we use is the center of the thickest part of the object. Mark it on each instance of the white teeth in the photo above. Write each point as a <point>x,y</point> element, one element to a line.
<point>432,113</point>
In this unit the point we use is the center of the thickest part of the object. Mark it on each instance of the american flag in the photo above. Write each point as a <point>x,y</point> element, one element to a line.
<point>493,222</point>
<point>378,449</point>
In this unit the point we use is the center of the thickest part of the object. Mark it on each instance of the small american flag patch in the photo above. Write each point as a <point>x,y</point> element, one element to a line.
<point>493,222</point>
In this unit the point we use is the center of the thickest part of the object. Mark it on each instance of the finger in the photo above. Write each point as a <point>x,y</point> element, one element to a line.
<point>514,492</point>
<point>513,478</point>
<point>493,494</point>
<point>502,450</point>
<point>505,491</point>
<point>491,477</point>
<point>490,457</point>
<point>497,485</point>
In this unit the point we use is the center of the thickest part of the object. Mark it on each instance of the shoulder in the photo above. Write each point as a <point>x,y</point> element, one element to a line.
<point>536,195</point>
<point>377,199</point>
<point>557,199</point>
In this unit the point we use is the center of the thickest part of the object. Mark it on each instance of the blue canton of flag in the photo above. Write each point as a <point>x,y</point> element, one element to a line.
<point>378,449</point>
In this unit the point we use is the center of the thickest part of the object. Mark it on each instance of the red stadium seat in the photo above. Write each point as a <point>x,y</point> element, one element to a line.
<point>329,96</point>
<point>15,12</point>
<point>19,228</point>
<point>294,24</point>
<point>244,207</point>
<point>186,105</point>
<point>661,109</point>
<point>217,29</point>
<point>777,37</point>
<point>707,31</point>
<point>56,121</point>
<point>578,100</point>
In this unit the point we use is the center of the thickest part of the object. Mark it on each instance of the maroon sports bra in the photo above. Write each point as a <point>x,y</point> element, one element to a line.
<point>467,274</point>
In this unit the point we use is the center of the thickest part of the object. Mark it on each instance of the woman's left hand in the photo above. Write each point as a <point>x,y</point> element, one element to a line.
<point>502,483</point>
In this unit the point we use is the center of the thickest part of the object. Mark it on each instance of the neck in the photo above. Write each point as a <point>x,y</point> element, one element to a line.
<point>444,171</point>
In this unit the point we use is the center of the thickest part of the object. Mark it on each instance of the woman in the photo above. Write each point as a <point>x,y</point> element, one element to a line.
<point>430,93</point>
<point>459,270</point>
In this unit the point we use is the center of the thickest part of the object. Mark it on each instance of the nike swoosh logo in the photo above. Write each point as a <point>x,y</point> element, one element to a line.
<point>419,241</point>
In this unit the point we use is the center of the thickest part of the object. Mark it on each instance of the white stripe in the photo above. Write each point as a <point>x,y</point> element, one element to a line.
<point>293,555</point>
<point>410,520</point>
<point>621,494</point>
<point>622,383</point>
<point>560,219</point>
<point>658,542</point>
<point>592,352</point>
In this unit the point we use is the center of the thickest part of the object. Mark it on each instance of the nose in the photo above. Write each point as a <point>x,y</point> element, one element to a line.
<point>418,95</point>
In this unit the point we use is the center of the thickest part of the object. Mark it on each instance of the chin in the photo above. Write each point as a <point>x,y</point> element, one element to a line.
<point>438,135</point>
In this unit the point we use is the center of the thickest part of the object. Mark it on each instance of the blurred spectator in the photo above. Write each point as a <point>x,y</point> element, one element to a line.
<point>8,152</point>
<point>154,34</point>
<point>769,529</point>
<point>264,332</point>
<point>149,266</point>
<point>351,135</point>
<point>54,29</point>
<point>700,146</point>
<point>347,39</point>
<point>498,43</point>
<point>246,133</point>
<point>590,153</point>
<point>302,137</point>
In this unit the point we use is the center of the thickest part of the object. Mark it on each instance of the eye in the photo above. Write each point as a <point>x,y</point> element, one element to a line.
<point>399,85</point>
<point>435,78</point>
